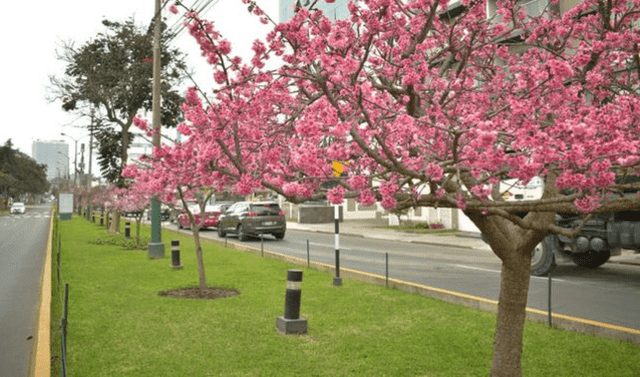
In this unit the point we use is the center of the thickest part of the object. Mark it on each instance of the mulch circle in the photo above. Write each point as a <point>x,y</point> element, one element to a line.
<point>209,293</point>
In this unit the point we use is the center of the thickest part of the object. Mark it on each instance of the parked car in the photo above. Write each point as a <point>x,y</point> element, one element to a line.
<point>18,207</point>
<point>247,219</point>
<point>212,215</point>
<point>165,212</point>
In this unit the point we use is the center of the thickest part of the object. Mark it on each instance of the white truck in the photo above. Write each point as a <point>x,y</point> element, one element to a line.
<point>603,236</point>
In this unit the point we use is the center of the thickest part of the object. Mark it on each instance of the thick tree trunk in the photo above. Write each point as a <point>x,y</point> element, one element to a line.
<point>196,239</point>
<point>514,289</point>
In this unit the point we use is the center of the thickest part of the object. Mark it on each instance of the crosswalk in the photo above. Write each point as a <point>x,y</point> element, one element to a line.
<point>30,216</point>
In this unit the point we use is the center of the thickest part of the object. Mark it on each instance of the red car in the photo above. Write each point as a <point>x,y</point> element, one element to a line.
<point>212,215</point>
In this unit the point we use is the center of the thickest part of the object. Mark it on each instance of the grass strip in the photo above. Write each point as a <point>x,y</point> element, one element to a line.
<point>120,326</point>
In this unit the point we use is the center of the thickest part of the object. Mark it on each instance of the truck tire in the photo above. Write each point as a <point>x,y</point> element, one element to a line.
<point>542,259</point>
<point>221,233</point>
<point>591,259</point>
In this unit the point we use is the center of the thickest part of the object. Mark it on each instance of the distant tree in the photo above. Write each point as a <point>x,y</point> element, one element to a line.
<point>112,73</point>
<point>20,174</point>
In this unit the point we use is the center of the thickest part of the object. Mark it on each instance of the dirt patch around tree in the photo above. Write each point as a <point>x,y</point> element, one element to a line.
<point>209,293</point>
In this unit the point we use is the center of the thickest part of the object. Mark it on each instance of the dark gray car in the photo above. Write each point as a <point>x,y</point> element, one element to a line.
<point>248,219</point>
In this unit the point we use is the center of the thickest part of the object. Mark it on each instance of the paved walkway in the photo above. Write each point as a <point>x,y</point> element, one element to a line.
<point>375,229</point>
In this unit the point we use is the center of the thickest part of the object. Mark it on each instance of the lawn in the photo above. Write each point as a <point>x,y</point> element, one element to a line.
<point>120,326</point>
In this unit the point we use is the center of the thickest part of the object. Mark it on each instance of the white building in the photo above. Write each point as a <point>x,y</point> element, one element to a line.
<point>334,11</point>
<point>55,155</point>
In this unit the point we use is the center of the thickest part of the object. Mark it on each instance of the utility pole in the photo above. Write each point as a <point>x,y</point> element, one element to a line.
<point>156,247</point>
<point>89,177</point>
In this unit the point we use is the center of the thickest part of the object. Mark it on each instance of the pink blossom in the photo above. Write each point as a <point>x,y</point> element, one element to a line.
<point>336,195</point>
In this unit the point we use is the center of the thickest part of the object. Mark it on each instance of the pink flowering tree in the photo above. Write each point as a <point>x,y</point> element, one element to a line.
<point>174,175</point>
<point>435,105</point>
<point>133,200</point>
<point>103,197</point>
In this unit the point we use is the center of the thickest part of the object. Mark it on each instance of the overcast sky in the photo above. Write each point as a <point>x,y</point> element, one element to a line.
<point>30,37</point>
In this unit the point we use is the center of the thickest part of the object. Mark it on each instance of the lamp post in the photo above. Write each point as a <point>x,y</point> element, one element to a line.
<point>68,162</point>
<point>156,247</point>
<point>75,158</point>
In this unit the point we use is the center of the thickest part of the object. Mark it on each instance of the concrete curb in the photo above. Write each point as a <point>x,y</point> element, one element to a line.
<point>565,322</point>
<point>41,363</point>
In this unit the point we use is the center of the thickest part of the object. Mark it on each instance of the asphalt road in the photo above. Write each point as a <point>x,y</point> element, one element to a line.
<point>22,251</point>
<point>609,294</point>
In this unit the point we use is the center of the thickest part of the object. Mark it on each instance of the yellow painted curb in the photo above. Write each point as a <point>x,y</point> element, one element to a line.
<point>42,367</point>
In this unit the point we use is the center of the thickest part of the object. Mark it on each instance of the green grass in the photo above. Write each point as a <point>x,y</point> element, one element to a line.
<point>120,326</point>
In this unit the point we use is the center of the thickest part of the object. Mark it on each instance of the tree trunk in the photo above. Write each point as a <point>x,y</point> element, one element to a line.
<point>514,289</point>
<point>116,222</point>
<point>138,220</point>
<point>196,239</point>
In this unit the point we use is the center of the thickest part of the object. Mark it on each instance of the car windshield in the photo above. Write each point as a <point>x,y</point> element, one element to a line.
<point>265,209</point>
<point>18,205</point>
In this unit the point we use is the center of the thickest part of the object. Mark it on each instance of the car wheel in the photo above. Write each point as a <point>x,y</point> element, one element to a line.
<point>221,232</point>
<point>591,259</point>
<point>542,259</point>
<point>242,236</point>
<point>179,225</point>
<point>279,236</point>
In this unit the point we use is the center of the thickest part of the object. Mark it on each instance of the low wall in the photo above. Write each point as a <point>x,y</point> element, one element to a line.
<point>317,214</point>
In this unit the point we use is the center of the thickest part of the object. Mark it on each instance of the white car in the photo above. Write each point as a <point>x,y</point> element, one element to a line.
<point>17,207</point>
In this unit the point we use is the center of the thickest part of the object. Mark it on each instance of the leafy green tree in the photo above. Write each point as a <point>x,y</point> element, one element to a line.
<point>20,174</point>
<point>112,73</point>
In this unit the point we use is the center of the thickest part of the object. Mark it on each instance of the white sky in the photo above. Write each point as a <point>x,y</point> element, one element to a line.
<point>31,36</point>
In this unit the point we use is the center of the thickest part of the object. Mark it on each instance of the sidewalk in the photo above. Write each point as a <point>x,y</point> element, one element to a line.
<point>375,229</point>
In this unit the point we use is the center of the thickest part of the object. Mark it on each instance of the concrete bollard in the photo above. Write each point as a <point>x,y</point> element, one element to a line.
<point>175,254</point>
<point>291,323</point>
<point>127,230</point>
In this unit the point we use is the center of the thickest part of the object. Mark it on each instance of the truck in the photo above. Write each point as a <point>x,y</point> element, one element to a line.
<point>604,235</point>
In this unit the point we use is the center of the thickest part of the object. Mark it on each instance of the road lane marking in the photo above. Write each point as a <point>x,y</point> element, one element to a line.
<point>498,272</point>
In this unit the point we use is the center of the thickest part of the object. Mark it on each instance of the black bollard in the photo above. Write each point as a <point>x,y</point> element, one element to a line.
<point>175,254</point>
<point>291,323</point>
<point>101,220</point>
<point>127,230</point>
<point>93,218</point>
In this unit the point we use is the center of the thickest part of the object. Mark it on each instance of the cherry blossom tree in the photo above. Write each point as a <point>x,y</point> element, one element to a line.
<point>434,105</point>
<point>132,199</point>
<point>177,174</point>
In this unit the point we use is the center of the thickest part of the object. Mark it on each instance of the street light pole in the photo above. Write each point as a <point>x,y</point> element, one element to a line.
<point>75,158</point>
<point>156,247</point>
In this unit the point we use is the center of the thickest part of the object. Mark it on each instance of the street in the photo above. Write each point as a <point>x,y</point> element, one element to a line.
<point>609,294</point>
<point>22,252</point>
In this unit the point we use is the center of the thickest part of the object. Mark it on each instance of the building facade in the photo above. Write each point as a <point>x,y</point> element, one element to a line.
<point>55,155</point>
<point>335,11</point>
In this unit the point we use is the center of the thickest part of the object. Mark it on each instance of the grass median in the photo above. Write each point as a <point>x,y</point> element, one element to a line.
<point>119,325</point>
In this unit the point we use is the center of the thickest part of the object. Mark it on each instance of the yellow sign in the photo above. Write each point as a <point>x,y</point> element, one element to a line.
<point>338,167</point>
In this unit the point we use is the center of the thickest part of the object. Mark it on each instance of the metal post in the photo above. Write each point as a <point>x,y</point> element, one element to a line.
<point>262,245</point>
<point>127,230</point>
<point>337,280</point>
<point>308,259</point>
<point>101,220</point>
<point>175,254</point>
<point>549,296</point>
<point>386,257</point>
<point>291,323</point>
<point>63,342</point>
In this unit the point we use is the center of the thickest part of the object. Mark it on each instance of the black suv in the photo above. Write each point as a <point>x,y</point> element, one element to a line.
<point>252,219</point>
